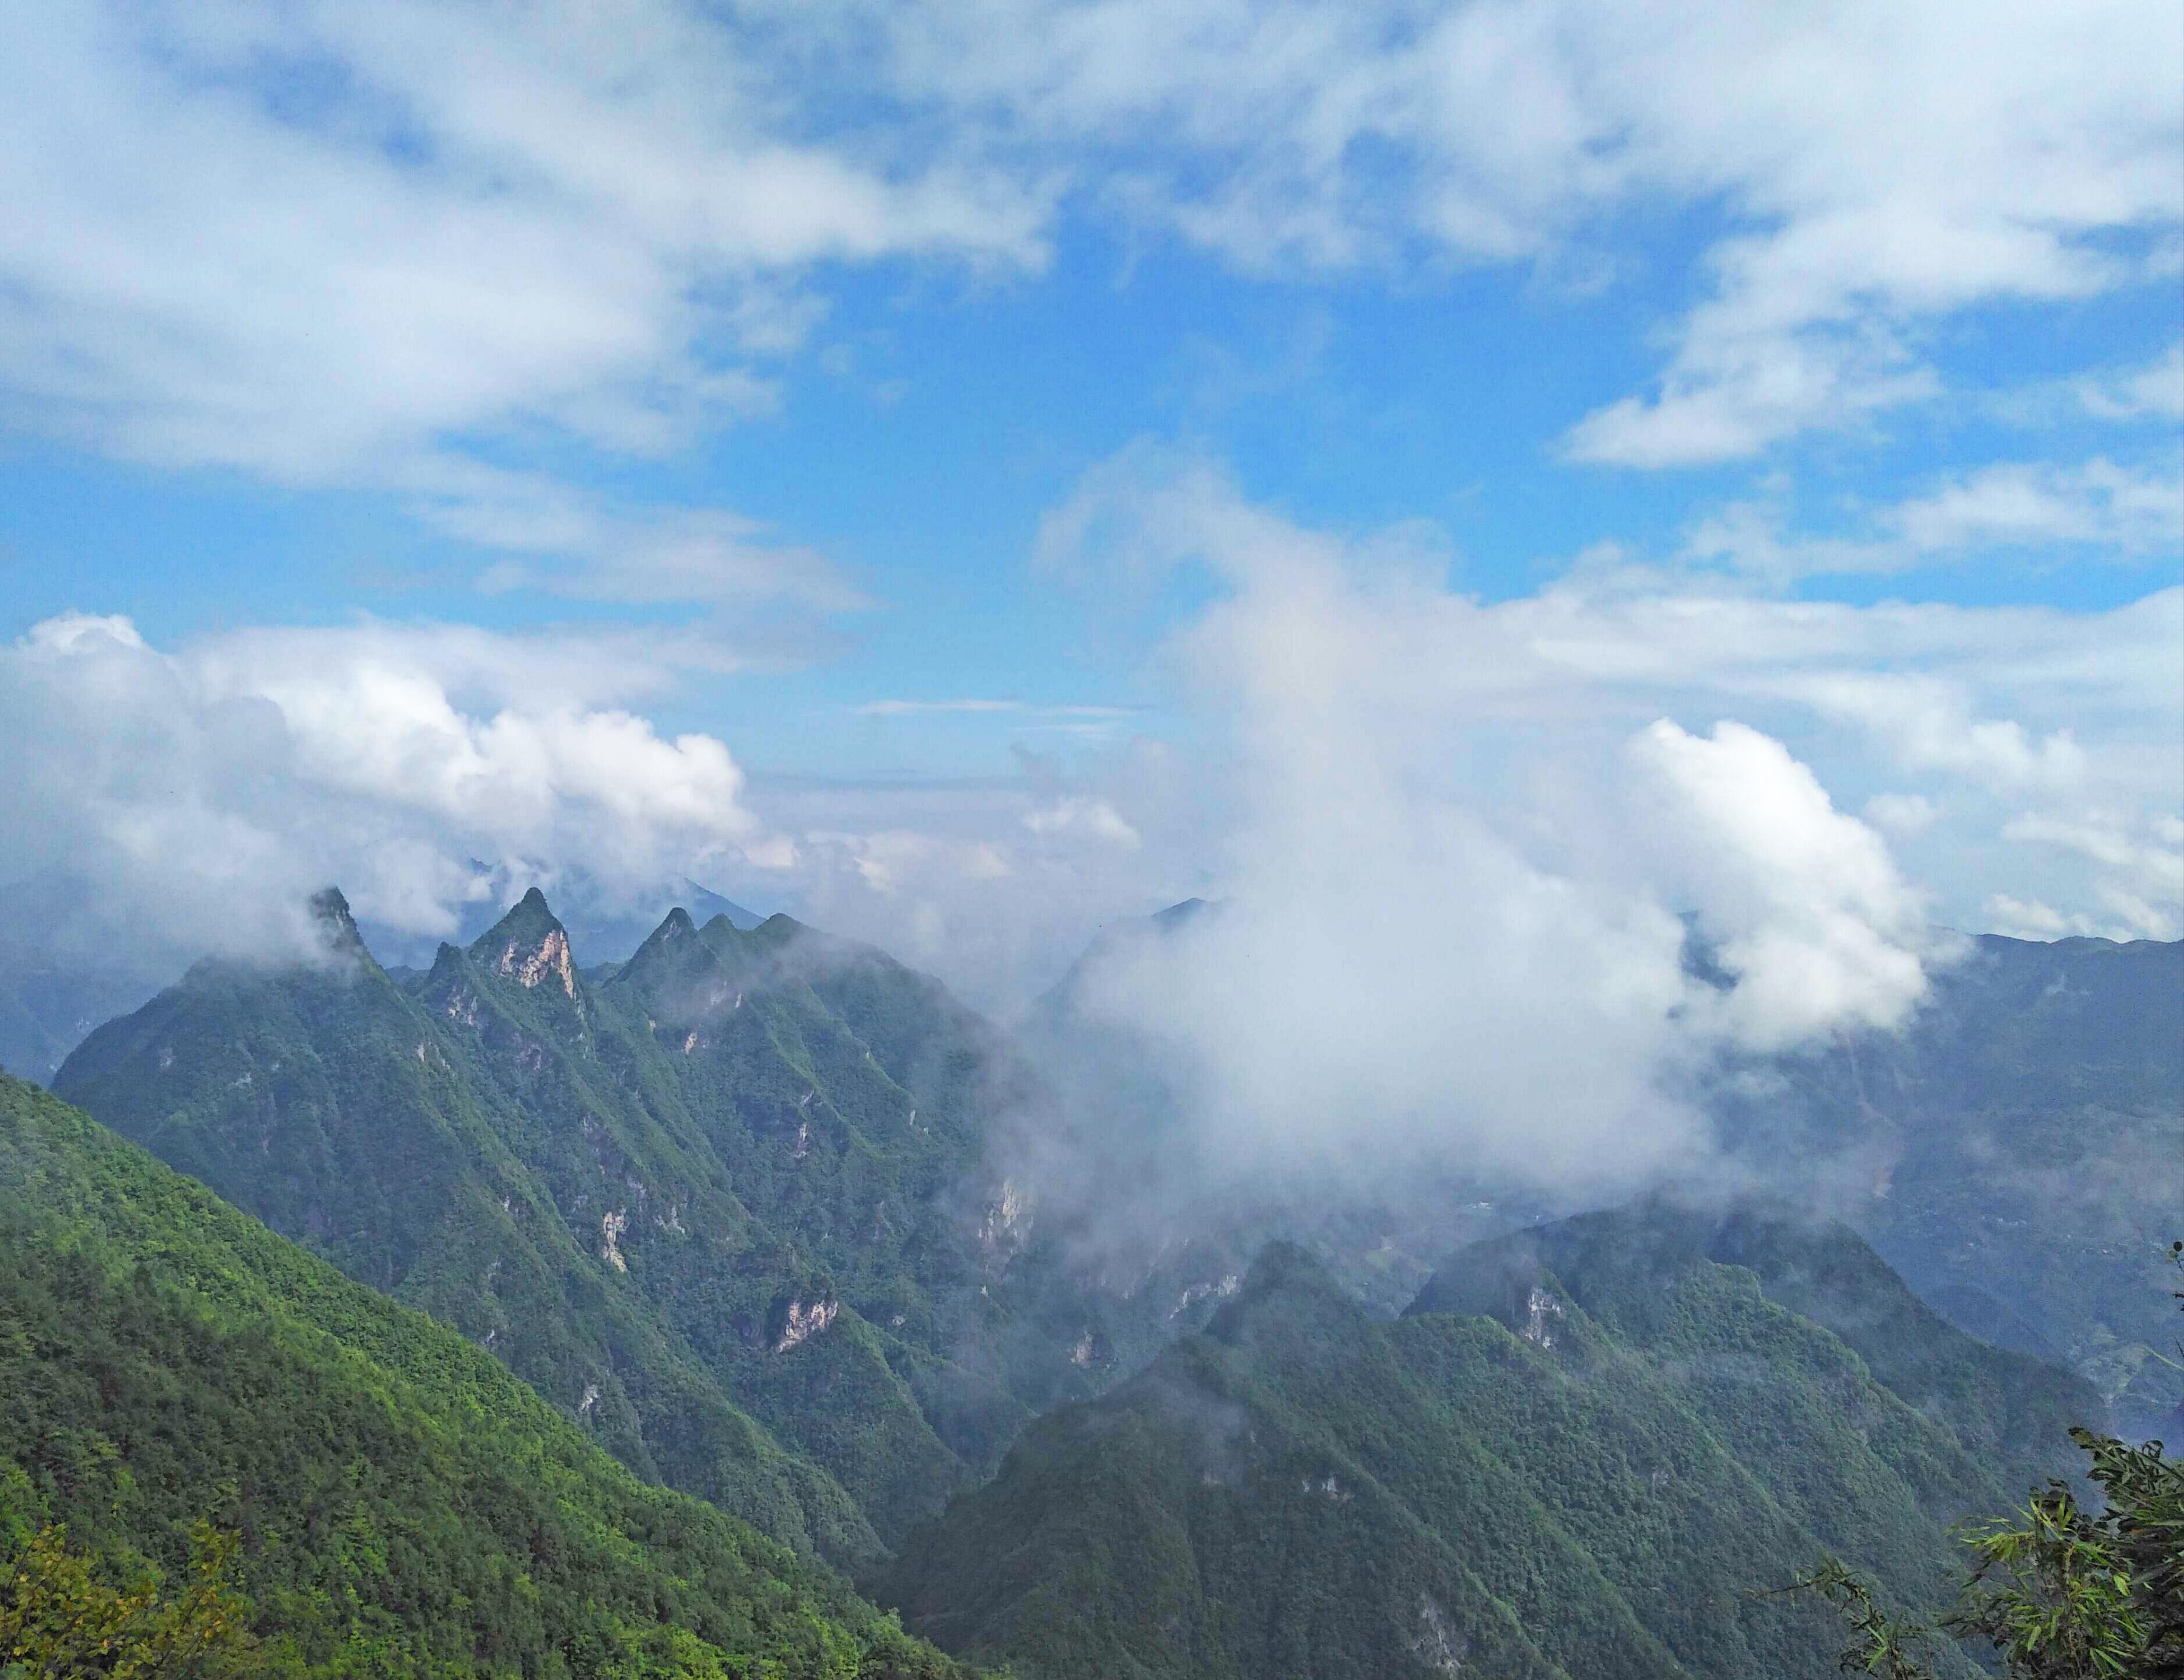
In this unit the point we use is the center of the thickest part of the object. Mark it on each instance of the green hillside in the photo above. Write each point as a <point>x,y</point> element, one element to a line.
<point>1522,1486</point>
<point>404,1504</point>
<point>2017,1152</point>
<point>712,1203</point>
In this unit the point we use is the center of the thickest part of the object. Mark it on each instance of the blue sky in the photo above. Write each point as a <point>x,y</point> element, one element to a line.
<point>904,404</point>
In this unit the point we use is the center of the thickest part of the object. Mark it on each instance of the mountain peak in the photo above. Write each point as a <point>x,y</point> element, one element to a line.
<point>529,946</point>
<point>337,927</point>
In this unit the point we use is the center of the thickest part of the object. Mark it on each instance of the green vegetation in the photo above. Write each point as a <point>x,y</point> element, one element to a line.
<point>210,1440</point>
<point>2019,1150</point>
<point>2057,1591</point>
<point>60,1617</point>
<point>1593,1472</point>
<point>712,1204</point>
<point>723,1207</point>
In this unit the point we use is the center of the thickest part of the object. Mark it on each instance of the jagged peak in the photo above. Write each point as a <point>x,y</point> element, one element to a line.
<point>529,945</point>
<point>776,931</point>
<point>337,926</point>
<point>734,944</point>
<point>670,947</point>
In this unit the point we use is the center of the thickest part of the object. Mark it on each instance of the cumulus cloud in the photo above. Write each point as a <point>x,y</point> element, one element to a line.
<point>1464,860</point>
<point>1808,913</point>
<point>204,793</point>
<point>1463,856</point>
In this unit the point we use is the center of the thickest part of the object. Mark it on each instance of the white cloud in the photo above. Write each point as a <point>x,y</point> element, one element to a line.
<point>1906,816</point>
<point>1982,715</point>
<point>2097,505</point>
<point>206,792</point>
<point>2096,509</point>
<point>1808,909</point>
<point>2154,391</point>
<point>1874,167</point>
<point>1926,723</point>
<point>2142,865</point>
<point>1077,815</point>
<point>341,243</point>
<point>571,543</point>
<point>1455,855</point>
<point>301,238</point>
<point>930,707</point>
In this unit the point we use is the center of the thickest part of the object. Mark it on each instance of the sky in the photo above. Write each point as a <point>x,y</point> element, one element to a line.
<point>966,472</point>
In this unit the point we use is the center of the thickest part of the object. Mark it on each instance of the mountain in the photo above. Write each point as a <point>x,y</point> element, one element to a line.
<point>719,1207</point>
<point>57,982</point>
<point>2016,1153</point>
<point>1589,1451</point>
<point>404,1504</point>
<point>604,922</point>
<point>47,1006</point>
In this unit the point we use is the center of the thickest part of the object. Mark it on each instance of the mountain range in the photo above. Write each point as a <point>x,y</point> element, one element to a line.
<point>1594,1449</point>
<point>705,1200</point>
<point>773,1221</point>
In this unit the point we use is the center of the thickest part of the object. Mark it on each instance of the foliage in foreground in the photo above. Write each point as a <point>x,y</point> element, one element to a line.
<point>60,1617</point>
<point>2061,1592</point>
<point>2058,1591</point>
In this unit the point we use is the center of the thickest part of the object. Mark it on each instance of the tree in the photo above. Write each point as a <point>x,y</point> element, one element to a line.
<point>2061,1592</point>
<point>60,1619</point>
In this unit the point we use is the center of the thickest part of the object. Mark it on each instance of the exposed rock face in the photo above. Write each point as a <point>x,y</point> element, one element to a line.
<point>1541,1310</point>
<point>549,958</point>
<point>611,1225</point>
<point>1006,1228</point>
<point>805,1320</point>
<point>1220,1288</point>
<point>462,1006</point>
<point>1437,1646</point>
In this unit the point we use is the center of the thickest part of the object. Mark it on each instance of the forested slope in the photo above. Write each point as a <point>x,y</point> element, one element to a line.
<point>1515,1486</point>
<point>405,1503</point>
<point>714,1204</point>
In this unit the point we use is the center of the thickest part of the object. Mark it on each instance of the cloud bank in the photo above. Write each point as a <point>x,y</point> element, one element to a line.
<point>200,797</point>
